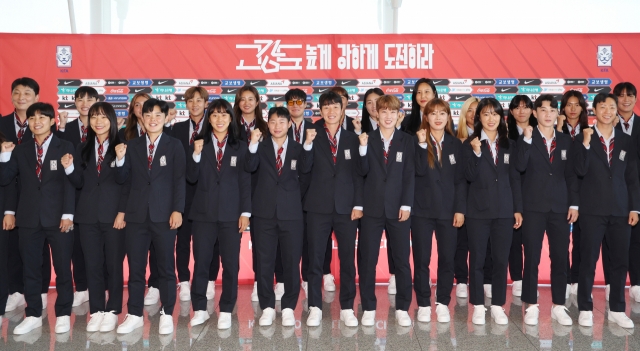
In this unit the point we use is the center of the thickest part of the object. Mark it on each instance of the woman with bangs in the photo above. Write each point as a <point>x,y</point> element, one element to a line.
<point>465,121</point>
<point>369,121</point>
<point>101,222</point>
<point>423,91</point>
<point>221,207</point>
<point>439,175</point>
<point>134,126</point>
<point>494,201</point>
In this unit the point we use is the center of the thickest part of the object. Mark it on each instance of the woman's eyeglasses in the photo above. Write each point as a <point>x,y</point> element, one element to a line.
<point>297,102</point>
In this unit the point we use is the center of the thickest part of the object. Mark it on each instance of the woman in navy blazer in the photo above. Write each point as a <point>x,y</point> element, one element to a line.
<point>493,202</point>
<point>439,205</point>
<point>100,215</point>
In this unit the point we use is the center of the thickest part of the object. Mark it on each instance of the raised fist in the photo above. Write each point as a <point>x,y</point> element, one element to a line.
<point>311,134</point>
<point>475,144</point>
<point>64,117</point>
<point>528,131</point>
<point>8,146</point>
<point>560,122</point>
<point>587,133</point>
<point>197,146</point>
<point>422,136</point>
<point>121,150</point>
<point>256,134</point>
<point>357,124</point>
<point>66,160</point>
<point>364,139</point>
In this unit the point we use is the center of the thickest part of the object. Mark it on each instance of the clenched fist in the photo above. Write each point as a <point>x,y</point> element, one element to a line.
<point>364,139</point>
<point>311,134</point>
<point>66,160</point>
<point>587,133</point>
<point>475,144</point>
<point>256,134</point>
<point>422,136</point>
<point>560,122</point>
<point>357,124</point>
<point>64,117</point>
<point>121,150</point>
<point>528,132</point>
<point>197,146</point>
<point>8,146</point>
<point>400,118</point>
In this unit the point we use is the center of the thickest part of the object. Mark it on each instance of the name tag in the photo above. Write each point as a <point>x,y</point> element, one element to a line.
<point>563,155</point>
<point>347,154</point>
<point>113,164</point>
<point>293,165</point>
<point>506,159</point>
<point>399,156</point>
<point>234,160</point>
<point>53,164</point>
<point>452,159</point>
<point>622,155</point>
<point>163,161</point>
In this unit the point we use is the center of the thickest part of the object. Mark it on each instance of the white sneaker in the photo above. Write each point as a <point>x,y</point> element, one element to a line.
<point>211,290</point>
<point>567,292</point>
<point>368,318</point>
<point>478,314</point>
<point>585,318</point>
<point>152,297</point>
<point>305,287</point>
<point>461,291</point>
<point>498,315</point>
<point>607,290</point>
<point>424,314</point>
<point>44,301</point>
<point>109,322</point>
<point>254,293</point>
<point>315,317</point>
<point>199,317</point>
<point>279,291</point>
<point>349,318</point>
<point>288,319</point>
<point>185,291</point>
<point>574,289</point>
<point>634,293</point>
<point>442,312</point>
<point>130,324</point>
<point>487,290</point>
<point>621,319</point>
<point>403,318</point>
<point>516,288</point>
<point>80,297</point>
<point>392,285</point>
<point>329,282</point>
<point>531,315</point>
<point>224,320</point>
<point>13,301</point>
<point>27,325</point>
<point>95,322</point>
<point>268,316</point>
<point>63,324</point>
<point>560,314</point>
<point>166,324</point>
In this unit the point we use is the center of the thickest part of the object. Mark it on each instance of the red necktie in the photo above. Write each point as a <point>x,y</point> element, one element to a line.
<point>385,151</point>
<point>40,151</point>
<point>83,129</point>
<point>333,144</point>
<point>626,126</point>
<point>247,128</point>
<point>279,161</point>
<point>297,132</point>
<point>100,158</point>
<point>495,157</point>
<point>22,127</point>
<point>573,133</point>
<point>196,129</point>
<point>150,155</point>
<point>551,149</point>
<point>219,154</point>
<point>436,145</point>
<point>604,146</point>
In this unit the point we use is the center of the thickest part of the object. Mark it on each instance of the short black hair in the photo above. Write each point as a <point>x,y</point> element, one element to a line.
<point>89,92</point>
<point>42,108</point>
<point>27,82</point>
<point>280,112</point>
<point>295,93</point>
<point>151,103</point>
<point>628,87</point>
<point>546,97</point>
<point>330,98</point>
<point>602,97</point>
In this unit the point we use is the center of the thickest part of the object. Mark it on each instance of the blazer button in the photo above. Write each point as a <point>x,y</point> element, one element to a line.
<point>550,174</point>
<point>496,179</point>
<point>148,183</point>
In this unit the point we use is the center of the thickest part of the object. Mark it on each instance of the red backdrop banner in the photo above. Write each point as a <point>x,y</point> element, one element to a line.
<point>499,66</point>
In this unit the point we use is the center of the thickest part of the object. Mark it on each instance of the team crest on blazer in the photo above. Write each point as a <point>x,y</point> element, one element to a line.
<point>113,164</point>
<point>452,159</point>
<point>622,155</point>
<point>563,155</point>
<point>506,159</point>
<point>163,161</point>
<point>234,160</point>
<point>293,165</point>
<point>347,154</point>
<point>53,165</point>
<point>399,156</point>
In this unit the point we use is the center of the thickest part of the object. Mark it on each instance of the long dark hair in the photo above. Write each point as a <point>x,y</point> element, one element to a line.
<point>106,109</point>
<point>413,124</point>
<point>219,105</point>
<point>131,128</point>
<point>511,120</point>
<point>366,118</point>
<point>493,104</point>
<point>583,120</point>
<point>260,122</point>
<point>431,106</point>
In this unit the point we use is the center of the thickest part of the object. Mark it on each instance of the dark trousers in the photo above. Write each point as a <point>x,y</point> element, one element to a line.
<point>634,256</point>
<point>15,267</point>
<point>574,268</point>
<point>278,270</point>
<point>421,234</point>
<point>328,254</point>
<point>617,232</point>
<point>205,235</point>
<point>4,270</point>
<point>103,245</point>
<point>533,228</point>
<point>268,233</point>
<point>318,231</point>
<point>390,264</point>
<point>497,233</point>
<point>369,246</point>
<point>515,256</point>
<point>462,257</point>
<point>139,237</point>
<point>77,258</point>
<point>183,250</point>
<point>31,243</point>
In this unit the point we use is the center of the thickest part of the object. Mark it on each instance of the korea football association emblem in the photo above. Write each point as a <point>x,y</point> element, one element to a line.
<point>605,55</point>
<point>63,55</point>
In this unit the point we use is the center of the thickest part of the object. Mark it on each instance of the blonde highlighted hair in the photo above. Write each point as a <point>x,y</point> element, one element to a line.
<point>462,119</point>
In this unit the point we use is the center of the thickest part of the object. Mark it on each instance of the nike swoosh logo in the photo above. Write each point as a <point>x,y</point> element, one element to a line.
<point>436,81</point>
<point>527,81</point>
<point>253,83</point>
<point>232,90</point>
<point>164,81</point>
<point>67,106</point>
<point>66,83</point>
<point>277,98</point>
<point>345,82</point>
<point>459,97</point>
<point>322,90</point>
<point>503,90</point>
<point>597,90</point>
<point>138,90</point>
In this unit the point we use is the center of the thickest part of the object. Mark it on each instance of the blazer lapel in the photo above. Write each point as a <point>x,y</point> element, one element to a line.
<point>325,146</point>
<point>540,145</point>
<point>52,155</point>
<point>488,155</point>
<point>143,153</point>
<point>158,155</point>
<point>209,153</point>
<point>394,147</point>
<point>377,148</point>
<point>267,144</point>
<point>598,149</point>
